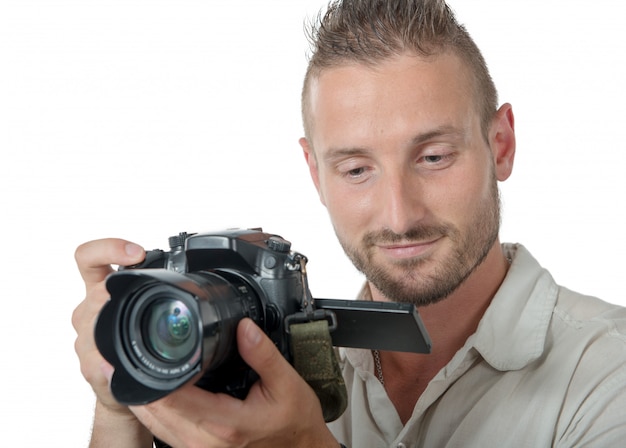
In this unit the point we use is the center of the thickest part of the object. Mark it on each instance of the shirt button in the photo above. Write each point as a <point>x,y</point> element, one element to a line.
<point>401,445</point>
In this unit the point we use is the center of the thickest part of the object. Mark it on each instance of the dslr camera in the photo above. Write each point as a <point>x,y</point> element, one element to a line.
<point>172,318</point>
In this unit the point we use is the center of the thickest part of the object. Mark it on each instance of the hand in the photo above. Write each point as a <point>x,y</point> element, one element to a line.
<point>280,409</point>
<point>94,261</point>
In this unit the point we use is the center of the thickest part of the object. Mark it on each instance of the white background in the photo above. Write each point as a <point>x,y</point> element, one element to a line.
<point>141,119</point>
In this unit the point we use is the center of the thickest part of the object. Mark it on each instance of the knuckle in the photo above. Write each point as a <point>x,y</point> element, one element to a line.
<point>80,253</point>
<point>75,319</point>
<point>86,373</point>
<point>90,371</point>
<point>230,435</point>
<point>269,354</point>
<point>168,401</point>
<point>77,316</point>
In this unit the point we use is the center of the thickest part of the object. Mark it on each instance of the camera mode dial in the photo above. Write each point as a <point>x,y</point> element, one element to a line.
<point>178,241</point>
<point>278,244</point>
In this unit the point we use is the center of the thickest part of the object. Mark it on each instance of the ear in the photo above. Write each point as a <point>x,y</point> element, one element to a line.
<point>502,141</point>
<point>311,160</point>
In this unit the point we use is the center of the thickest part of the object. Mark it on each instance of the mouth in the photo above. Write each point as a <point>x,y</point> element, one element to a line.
<point>409,249</point>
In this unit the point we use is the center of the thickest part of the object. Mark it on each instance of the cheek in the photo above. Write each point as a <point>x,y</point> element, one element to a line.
<point>350,213</point>
<point>463,192</point>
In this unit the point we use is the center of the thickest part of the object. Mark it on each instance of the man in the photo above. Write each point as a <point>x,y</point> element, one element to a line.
<point>405,145</point>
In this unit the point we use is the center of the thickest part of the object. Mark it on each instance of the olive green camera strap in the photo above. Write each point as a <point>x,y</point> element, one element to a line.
<point>316,361</point>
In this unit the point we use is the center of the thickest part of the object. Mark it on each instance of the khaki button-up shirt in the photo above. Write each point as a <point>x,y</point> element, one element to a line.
<point>545,368</point>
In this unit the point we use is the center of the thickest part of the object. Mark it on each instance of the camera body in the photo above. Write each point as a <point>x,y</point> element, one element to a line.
<point>174,316</point>
<point>172,319</point>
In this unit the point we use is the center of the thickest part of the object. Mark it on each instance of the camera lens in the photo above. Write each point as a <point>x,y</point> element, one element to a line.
<point>169,330</point>
<point>171,327</point>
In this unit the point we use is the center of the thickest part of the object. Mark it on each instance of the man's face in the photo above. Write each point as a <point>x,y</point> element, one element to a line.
<point>399,160</point>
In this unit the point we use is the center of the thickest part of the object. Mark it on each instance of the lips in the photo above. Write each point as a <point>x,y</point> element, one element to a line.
<point>408,249</point>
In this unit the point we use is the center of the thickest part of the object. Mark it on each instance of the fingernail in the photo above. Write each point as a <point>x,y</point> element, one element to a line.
<point>133,250</point>
<point>253,333</point>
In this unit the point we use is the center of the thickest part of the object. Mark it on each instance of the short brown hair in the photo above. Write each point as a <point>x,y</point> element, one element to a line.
<point>369,31</point>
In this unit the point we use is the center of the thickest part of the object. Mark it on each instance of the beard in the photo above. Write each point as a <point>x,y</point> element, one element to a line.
<point>404,281</point>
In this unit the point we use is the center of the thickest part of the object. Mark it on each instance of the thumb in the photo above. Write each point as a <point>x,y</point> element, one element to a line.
<point>260,353</point>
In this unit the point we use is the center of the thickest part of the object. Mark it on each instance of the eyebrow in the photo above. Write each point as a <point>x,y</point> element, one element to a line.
<point>442,131</point>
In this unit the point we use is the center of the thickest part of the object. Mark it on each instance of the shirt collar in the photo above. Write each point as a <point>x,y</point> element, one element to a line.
<point>512,332</point>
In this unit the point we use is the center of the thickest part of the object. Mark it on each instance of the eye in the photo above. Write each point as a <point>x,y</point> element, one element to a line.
<point>356,172</point>
<point>433,158</point>
<point>436,161</point>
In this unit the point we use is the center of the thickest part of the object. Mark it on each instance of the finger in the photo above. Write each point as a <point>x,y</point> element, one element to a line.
<point>190,414</point>
<point>260,353</point>
<point>94,259</point>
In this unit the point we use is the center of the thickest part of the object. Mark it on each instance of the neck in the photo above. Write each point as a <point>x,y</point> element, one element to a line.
<point>453,319</point>
<point>450,322</point>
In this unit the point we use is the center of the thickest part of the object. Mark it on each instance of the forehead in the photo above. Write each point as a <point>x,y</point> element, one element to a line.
<point>406,93</point>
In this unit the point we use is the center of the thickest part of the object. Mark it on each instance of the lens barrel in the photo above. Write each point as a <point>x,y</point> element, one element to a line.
<point>172,327</point>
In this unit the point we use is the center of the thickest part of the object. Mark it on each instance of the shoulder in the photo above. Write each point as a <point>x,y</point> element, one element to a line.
<point>590,335</point>
<point>590,315</point>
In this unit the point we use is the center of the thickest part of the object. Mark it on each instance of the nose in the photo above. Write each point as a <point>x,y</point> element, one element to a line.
<point>402,202</point>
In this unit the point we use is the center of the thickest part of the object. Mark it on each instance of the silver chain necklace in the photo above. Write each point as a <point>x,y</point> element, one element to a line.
<point>378,367</point>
